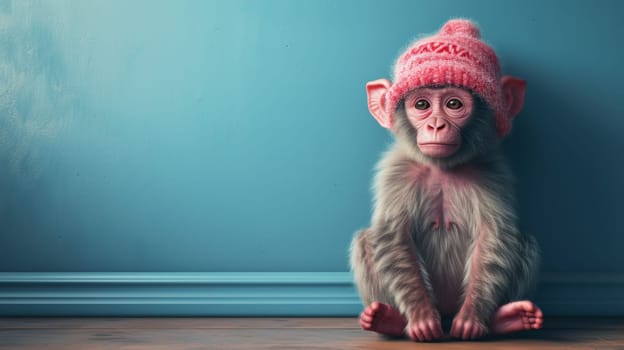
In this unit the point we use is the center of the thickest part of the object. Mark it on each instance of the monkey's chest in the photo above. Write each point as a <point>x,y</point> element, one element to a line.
<point>444,238</point>
<point>442,209</point>
<point>444,231</point>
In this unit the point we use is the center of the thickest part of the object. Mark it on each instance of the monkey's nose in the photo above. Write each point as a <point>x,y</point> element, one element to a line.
<point>436,125</point>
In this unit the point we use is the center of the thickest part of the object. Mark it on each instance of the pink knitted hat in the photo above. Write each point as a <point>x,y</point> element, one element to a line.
<point>454,56</point>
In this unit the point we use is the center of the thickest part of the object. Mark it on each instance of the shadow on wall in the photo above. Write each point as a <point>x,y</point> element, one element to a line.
<point>562,150</point>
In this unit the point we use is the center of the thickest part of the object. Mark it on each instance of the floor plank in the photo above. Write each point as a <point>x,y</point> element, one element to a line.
<point>276,333</point>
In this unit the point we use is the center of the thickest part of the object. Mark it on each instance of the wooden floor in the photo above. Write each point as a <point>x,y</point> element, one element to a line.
<point>277,333</point>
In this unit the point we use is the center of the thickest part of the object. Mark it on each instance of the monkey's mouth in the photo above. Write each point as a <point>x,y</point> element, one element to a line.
<point>438,144</point>
<point>438,149</point>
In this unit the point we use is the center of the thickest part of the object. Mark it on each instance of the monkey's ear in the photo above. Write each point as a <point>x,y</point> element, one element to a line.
<point>376,93</point>
<point>513,90</point>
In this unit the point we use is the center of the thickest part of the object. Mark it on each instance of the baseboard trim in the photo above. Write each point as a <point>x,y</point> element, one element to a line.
<point>253,294</point>
<point>178,294</point>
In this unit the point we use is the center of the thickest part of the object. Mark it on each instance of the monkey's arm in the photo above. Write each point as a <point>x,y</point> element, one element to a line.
<point>396,260</point>
<point>499,266</point>
<point>401,273</point>
<point>401,269</point>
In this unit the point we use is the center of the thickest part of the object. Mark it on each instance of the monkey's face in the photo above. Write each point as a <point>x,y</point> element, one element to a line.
<point>447,125</point>
<point>439,115</point>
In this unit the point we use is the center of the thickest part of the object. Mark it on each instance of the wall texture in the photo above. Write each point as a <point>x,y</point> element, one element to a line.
<point>161,145</point>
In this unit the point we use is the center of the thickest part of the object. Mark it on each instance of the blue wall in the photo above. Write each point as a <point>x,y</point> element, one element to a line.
<point>234,135</point>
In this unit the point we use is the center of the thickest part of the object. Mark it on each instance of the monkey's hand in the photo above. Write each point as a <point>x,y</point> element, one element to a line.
<point>467,325</point>
<point>424,325</point>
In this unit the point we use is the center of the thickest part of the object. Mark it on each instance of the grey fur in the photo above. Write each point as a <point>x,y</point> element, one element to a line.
<point>405,261</point>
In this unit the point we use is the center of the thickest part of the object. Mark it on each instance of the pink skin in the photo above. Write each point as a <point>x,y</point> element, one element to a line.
<point>439,115</point>
<point>510,318</point>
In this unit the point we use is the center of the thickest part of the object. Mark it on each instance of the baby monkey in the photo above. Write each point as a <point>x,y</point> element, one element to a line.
<point>444,239</point>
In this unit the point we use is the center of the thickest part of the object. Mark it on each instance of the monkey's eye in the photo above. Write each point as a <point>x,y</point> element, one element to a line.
<point>454,104</point>
<point>422,104</point>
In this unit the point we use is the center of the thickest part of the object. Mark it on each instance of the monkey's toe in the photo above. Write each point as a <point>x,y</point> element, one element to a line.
<point>383,319</point>
<point>517,316</point>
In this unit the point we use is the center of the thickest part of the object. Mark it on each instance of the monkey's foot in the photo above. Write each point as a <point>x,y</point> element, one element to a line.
<point>383,319</point>
<point>515,317</point>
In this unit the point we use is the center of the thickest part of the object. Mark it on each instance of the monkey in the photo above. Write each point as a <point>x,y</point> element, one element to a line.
<point>444,239</point>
